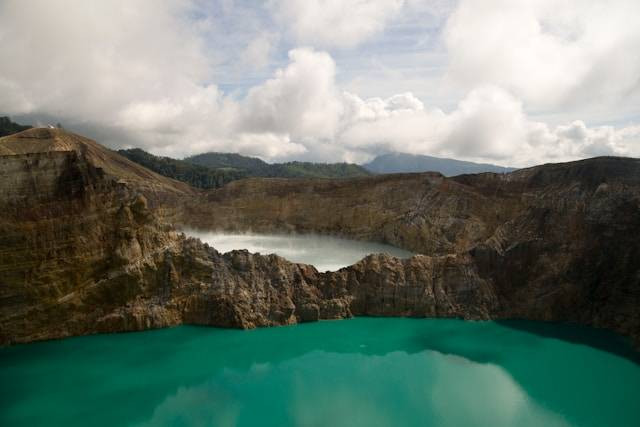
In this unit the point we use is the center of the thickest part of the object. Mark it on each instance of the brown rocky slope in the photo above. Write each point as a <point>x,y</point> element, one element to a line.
<point>84,245</point>
<point>556,242</point>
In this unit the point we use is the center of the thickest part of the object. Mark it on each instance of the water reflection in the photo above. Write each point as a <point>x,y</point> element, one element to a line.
<point>372,372</point>
<point>204,405</point>
<point>357,390</point>
<point>326,253</point>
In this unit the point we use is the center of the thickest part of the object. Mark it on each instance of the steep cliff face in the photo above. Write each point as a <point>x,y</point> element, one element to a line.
<point>73,242</point>
<point>571,253</point>
<point>424,213</point>
<point>248,290</point>
<point>555,242</point>
<point>84,252</point>
<point>85,246</point>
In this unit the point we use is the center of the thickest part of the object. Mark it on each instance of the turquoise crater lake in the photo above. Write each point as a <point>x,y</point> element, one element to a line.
<point>357,372</point>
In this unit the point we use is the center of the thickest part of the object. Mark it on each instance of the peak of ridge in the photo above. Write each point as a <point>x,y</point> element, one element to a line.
<point>37,140</point>
<point>44,140</point>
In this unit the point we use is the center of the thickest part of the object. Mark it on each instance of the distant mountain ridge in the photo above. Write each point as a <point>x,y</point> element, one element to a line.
<point>192,174</point>
<point>213,170</point>
<point>259,168</point>
<point>227,160</point>
<point>403,163</point>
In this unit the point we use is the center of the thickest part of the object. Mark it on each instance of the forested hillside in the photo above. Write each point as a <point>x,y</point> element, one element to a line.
<point>195,175</point>
<point>8,127</point>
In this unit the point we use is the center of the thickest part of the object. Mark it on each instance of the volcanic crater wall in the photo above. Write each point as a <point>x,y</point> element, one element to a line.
<point>554,242</point>
<point>84,251</point>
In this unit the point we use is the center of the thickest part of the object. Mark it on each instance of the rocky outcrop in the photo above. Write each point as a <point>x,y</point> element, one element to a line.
<point>555,242</point>
<point>84,251</point>
<point>86,247</point>
<point>73,241</point>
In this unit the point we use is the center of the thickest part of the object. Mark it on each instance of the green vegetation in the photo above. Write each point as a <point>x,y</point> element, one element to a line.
<point>258,168</point>
<point>8,127</point>
<point>316,170</point>
<point>213,170</point>
<point>194,175</point>
<point>228,160</point>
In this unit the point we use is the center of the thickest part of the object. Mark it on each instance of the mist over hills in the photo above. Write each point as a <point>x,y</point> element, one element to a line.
<point>404,163</point>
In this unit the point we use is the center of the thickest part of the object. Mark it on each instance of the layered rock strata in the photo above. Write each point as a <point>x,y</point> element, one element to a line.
<point>85,245</point>
<point>555,242</point>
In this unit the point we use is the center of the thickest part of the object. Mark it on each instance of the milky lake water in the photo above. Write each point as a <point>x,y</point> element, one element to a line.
<point>357,372</point>
<point>326,253</point>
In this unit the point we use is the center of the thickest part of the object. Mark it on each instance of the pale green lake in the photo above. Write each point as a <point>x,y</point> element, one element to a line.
<point>326,253</point>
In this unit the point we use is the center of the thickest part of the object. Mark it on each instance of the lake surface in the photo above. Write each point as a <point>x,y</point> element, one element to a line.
<point>357,372</point>
<point>326,253</point>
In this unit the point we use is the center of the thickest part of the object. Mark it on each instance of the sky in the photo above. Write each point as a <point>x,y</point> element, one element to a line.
<point>511,82</point>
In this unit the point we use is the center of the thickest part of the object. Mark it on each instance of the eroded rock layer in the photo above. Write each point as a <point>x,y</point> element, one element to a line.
<point>85,245</point>
<point>555,242</point>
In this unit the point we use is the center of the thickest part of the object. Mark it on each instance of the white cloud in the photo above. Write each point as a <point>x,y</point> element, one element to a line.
<point>80,58</point>
<point>259,49</point>
<point>335,23</point>
<point>267,145</point>
<point>489,124</point>
<point>142,74</point>
<point>576,139</point>
<point>300,100</point>
<point>552,54</point>
<point>377,125</point>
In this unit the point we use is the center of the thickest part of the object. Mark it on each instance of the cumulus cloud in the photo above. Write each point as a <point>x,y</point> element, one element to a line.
<point>299,100</point>
<point>549,53</point>
<point>258,51</point>
<point>143,74</point>
<point>489,124</point>
<point>576,140</point>
<point>98,55</point>
<point>302,102</point>
<point>335,23</point>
